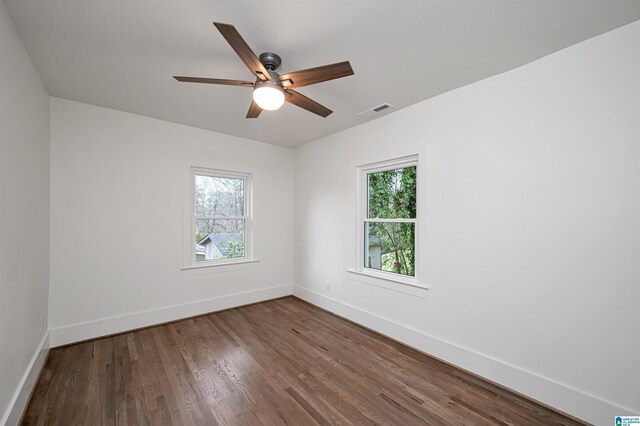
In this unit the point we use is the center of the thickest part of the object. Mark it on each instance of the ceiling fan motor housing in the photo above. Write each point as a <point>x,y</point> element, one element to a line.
<point>270,60</point>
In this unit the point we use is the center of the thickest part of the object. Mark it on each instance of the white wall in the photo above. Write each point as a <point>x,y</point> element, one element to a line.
<point>117,191</point>
<point>24,220</point>
<point>531,219</point>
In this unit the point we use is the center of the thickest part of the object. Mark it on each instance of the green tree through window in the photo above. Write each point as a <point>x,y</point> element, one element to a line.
<point>390,220</point>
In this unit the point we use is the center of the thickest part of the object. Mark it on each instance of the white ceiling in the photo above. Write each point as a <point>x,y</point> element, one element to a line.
<point>121,54</point>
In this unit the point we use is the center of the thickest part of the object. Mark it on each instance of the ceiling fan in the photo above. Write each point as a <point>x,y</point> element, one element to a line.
<point>271,90</point>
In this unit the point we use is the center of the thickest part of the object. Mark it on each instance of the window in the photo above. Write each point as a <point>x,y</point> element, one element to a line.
<point>220,216</point>
<point>388,218</point>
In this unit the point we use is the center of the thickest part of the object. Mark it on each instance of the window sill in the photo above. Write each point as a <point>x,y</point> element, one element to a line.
<point>409,283</point>
<point>218,264</point>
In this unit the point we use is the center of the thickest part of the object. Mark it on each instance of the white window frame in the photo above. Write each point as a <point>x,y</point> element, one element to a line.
<point>196,168</point>
<point>363,213</point>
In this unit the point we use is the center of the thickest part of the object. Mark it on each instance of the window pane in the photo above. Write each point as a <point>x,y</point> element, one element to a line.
<point>390,247</point>
<point>219,239</point>
<point>219,196</point>
<point>392,194</point>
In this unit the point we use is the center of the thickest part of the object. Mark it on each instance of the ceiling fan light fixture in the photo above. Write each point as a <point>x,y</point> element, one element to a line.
<point>268,95</point>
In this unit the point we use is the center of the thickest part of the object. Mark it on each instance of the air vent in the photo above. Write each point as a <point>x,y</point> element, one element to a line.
<point>375,111</point>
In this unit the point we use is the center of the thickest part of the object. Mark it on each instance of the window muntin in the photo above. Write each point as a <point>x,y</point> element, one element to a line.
<point>221,222</point>
<point>389,217</point>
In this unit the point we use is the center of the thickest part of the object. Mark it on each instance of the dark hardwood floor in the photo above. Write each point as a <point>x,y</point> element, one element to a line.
<point>277,362</point>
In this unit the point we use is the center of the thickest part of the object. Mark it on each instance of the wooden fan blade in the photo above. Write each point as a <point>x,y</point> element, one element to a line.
<point>214,81</point>
<point>298,99</point>
<point>254,110</point>
<point>243,50</point>
<point>318,74</point>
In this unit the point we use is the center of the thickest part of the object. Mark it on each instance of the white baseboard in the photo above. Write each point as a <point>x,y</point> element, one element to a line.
<point>113,325</point>
<point>21,396</point>
<point>573,401</point>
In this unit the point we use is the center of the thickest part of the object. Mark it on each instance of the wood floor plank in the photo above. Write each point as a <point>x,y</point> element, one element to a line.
<point>277,362</point>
